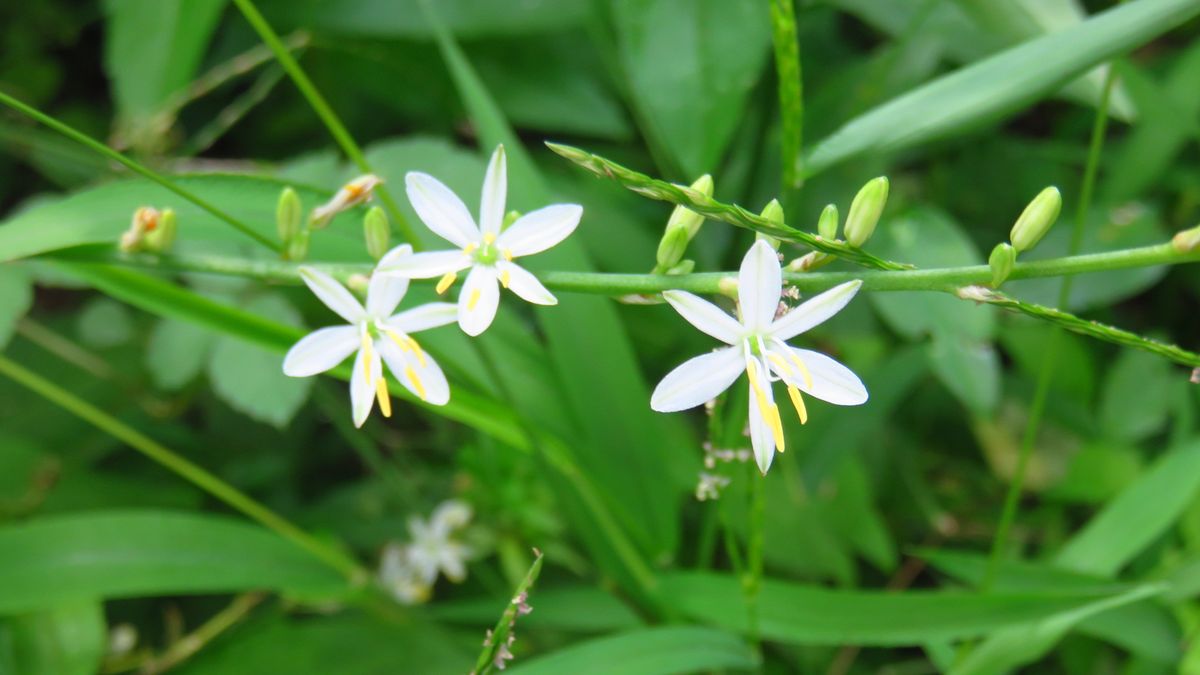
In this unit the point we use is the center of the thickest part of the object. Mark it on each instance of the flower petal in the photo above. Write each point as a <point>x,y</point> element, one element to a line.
<point>478,300</point>
<point>419,374</point>
<point>538,230</point>
<point>440,209</point>
<point>333,294</point>
<point>320,350</point>
<point>385,292</point>
<point>425,265</point>
<point>831,381</point>
<point>362,388</point>
<point>524,284</point>
<point>495,188</point>
<point>698,380</point>
<point>424,317</point>
<point>760,281</point>
<point>705,316</point>
<point>762,440</point>
<point>814,311</point>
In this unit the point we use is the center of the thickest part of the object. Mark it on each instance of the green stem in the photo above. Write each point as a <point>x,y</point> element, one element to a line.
<point>84,139</point>
<point>184,468</point>
<point>754,558</point>
<point>790,85</point>
<point>328,117</point>
<point>498,636</point>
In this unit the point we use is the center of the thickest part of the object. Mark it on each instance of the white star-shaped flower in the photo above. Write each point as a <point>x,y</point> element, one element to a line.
<point>483,248</point>
<point>378,335</point>
<point>432,548</point>
<point>758,347</point>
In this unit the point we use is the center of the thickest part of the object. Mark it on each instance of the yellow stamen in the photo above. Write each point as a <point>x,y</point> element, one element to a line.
<point>407,344</point>
<point>808,382</point>
<point>798,403</point>
<point>368,356</point>
<point>473,300</point>
<point>780,364</point>
<point>488,239</point>
<point>505,277</point>
<point>470,248</point>
<point>416,381</point>
<point>417,350</point>
<point>444,283</point>
<point>777,427</point>
<point>507,253</point>
<point>385,402</point>
<point>353,190</point>
<point>769,411</point>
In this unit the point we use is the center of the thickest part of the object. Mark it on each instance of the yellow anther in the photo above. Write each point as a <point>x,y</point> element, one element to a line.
<point>353,189</point>
<point>505,277</point>
<point>416,381</point>
<point>798,403</point>
<point>470,248</point>
<point>776,427</point>
<point>444,283</point>
<point>769,411</point>
<point>368,356</point>
<point>488,239</point>
<point>473,300</point>
<point>808,382</point>
<point>385,402</point>
<point>507,253</point>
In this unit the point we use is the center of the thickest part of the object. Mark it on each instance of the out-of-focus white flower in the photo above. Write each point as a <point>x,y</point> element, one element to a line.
<point>401,577</point>
<point>352,194</point>
<point>410,570</point>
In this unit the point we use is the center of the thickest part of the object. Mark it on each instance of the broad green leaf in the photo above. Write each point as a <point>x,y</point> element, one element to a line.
<point>690,66</point>
<point>124,554</point>
<point>649,651</point>
<point>67,639</point>
<point>1097,473</point>
<point>799,614</point>
<point>404,19</point>
<point>103,323</point>
<point>1000,84</point>
<point>1024,341</point>
<point>177,352</point>
<point>1137,396</point>
<point>16,296</point>
<point>969,368</point>
<point>250,377</point>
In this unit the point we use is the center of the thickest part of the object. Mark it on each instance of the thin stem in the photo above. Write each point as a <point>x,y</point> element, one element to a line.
<point>184,468</point>
<point>330,119</point>
<point>791,95</point>
<point>754,554</point>
<point>84,139</point>
<point>498,638</point>
<point>187,646</point>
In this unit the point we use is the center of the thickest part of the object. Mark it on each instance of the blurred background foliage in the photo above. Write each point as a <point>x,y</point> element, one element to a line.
<point>902,493</point>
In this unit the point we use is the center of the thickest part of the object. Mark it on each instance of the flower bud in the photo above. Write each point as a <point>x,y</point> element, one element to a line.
<point>509,219</point>
<point>865,211</point>
<point>1036,219</point>
<point>1002,259</point>
<point>352,194</point>
<point>1187,240</point>
<point>162,237</point>
<point>377,232</point>
<point>809,262</point>
<point>297,248</point>
<point>687,219</point>
<point>287,215</point>
<point>684,267</point>
<point>827,224</point>
<point>773,212</point>
<point>671,248</point>
<point>145,219</point>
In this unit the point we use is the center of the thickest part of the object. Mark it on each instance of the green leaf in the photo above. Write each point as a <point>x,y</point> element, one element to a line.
<point>16,297</point>
<point>649,651</point>
<point>176,353</point>
<point>124,554</point>
<point>404,19</point>
<point>250,378</point>
<point>1137,394</point>
<point>67,639</point>
<point>999,85</point>
<point>690,66</point>
<point>969,368</point>
<point>104,323</point>
<point>800,614</point>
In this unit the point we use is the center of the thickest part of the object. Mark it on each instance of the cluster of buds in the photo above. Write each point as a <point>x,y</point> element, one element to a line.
<point>150,230</point>
<point>296,235</point>
<point>1033,224</point>
<point>711,481</point>
<point>681,228</point>
<point>865,211</point>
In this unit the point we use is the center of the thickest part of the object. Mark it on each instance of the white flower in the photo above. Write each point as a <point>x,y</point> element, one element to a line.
<point>432,550</point>
<point>759,348</point>
<point>401,577</point>
<point>351,194</point>
<point>483,247</point>
<point>374,332</point>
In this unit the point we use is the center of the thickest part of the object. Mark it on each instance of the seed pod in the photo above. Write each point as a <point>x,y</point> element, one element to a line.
<point>1036,219</point>
<point>288,212</point>
<point>827,224</point>
<point>865,211</point>
<point>377,232</point>
<point>1002,259</point>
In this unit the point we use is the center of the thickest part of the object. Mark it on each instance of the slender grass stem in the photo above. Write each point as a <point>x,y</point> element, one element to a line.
<point>328,117</point>
<point>791,93</point>
<point>184,468</point>
<point>102,149</point>
<point>752,583</point>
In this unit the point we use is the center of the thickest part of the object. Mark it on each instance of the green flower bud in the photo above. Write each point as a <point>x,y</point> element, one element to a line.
<point>297,248</point>
<point>509,219</point>
<point>687,219</point>
<point>1187,240</point>
<point>773,212</point>
<point>1036,219</point>
<point>865,211</point>
<point>377,232</point>
<point>162,237</point>
<point>684,267</point>
<point>827,224</point>
<point>671,248</point>
<point>1002,259</point>
<point>287,214</point>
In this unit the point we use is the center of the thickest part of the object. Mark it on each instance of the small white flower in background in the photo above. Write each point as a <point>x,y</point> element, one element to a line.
<point>378,335</point>
<point>483,248</point>
<point>400,576</point>
<point>758,347</point>
<point>357,191</point>
<point>410,570</point>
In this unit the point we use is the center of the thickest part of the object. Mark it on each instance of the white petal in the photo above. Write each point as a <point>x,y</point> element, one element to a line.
<point>385,292</point>
<point>426,265</point>
<point>333,294</point>
<point>421,376</point>
<point>524,284</point>
<point>762,440</point>
<point>440,209</point>
<point>395,255</point>
<point>478,300</point>
<point>362,388</point>
<point>831,381</point>
<point>424,317</point>
<point>495,187</point>
<point>452,561</point>
<point>760,281</point>
<point>320,350</point>
<point>814,311</point>
<point>538,230</point>
<point>698,380</point>
<point>705,316</point>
